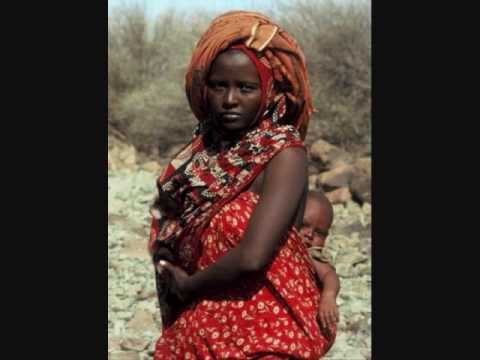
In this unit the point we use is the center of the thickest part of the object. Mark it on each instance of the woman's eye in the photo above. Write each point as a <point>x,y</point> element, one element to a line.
<point>247,88</point>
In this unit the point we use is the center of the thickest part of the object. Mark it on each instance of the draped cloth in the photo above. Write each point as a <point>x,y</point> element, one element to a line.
<point>202,192</point>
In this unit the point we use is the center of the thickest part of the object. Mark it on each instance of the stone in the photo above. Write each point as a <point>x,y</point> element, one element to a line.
<point>328,156</point>
<point>152,166</point>
<point>134,247</point>
<point>124,355</point>
<point>134,343</point>
<point>361,181</point>
<point>141,321</point>
<point>313,170</point>
<point>339,196</point>
<point>114,343</point>
<point>313,182</point>
<point>145,294</point>
<point>121,155</point>
<point>336,178</point>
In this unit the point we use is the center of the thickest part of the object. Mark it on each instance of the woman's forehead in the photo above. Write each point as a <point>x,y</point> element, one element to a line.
<point>234,62</point>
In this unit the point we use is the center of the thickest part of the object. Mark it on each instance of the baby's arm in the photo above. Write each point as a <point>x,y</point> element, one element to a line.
<point>331,285</point>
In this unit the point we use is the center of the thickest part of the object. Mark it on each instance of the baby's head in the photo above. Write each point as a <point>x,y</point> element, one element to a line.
<point>317,219</point>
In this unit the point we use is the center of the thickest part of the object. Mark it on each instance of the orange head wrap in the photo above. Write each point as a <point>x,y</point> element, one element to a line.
<point>259,33</point>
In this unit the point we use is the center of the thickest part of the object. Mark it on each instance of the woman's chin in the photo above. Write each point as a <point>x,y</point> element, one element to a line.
<point>230,128</point>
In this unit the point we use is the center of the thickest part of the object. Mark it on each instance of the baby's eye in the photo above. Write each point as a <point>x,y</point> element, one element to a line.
<point>321,233</point>
<point>216,85</point>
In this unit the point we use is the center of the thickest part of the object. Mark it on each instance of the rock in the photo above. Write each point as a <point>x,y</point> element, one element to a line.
<point>121,155</point>
<point>365,165</point>
<point>338,177</point>
<point>312,182</point>
<point>131,285</point>
<point>145,294</point>
<point>347,229</point>
<point>142,321</point>
<point>124,355</point>
<point>114,343</point>
<point>152,166</point>
<point>115,218</point>
<point>367,209</point>
<point>136,247</point>
<point>313,170</point>
<point>361,181</point>
<point>339,196</point>
<point>134,343</point>
<point>327,155</point>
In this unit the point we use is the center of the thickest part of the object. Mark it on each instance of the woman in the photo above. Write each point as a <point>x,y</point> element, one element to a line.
<point>231,202</point>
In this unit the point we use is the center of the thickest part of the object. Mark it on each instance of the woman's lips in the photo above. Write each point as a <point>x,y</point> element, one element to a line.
<point>230,116</point>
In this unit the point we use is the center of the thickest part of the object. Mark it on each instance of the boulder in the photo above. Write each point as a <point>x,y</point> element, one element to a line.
<point>141,321</point>
<point>328,156</point>
<point>313,182</point>
<point>312,169</point>
<point>152,166</point>
<point>339,196</point>
<point>336,178</point>
<point>114,343</point>
<point>361,181</point>
<point>124,355</point>
<point>134,344</point>
<point>121,155</point>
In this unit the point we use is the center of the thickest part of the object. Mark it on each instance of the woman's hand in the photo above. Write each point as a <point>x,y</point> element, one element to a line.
<point>328,313</point>
<point>179,277</point>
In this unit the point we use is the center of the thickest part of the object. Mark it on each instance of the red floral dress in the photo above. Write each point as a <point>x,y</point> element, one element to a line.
<point>269,315</point>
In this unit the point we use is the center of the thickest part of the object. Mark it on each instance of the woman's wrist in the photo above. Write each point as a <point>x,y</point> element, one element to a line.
<point>329,294</point>
<point>187,289</point>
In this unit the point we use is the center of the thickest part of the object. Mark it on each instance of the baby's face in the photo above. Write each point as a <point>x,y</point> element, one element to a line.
<point>316,224</point>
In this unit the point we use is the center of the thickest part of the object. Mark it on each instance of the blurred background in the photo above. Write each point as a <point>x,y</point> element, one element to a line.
<point>149,47</point>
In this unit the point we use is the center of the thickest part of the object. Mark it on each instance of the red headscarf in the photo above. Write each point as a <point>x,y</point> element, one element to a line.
<point>258,36</point>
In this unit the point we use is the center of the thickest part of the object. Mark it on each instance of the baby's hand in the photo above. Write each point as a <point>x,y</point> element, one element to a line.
<point>328,313</point>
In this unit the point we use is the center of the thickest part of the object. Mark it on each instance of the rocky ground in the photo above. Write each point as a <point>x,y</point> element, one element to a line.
<point>133,314</point>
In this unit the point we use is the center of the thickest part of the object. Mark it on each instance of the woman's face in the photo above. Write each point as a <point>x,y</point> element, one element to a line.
<point>233,91</point>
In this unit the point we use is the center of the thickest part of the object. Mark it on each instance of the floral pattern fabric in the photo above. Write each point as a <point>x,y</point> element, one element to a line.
<point>270,314</point>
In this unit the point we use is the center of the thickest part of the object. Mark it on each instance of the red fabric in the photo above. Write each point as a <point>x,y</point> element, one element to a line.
<point>201,184</point>
<point>272,313</point>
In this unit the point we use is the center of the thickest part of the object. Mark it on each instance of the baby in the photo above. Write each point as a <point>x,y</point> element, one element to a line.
<point>317,219</point>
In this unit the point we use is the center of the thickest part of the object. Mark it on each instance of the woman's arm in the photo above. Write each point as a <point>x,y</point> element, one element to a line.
<point>285,177</point>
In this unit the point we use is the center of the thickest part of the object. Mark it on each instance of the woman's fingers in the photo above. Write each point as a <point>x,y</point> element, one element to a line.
<point>162,265</point>
<point>332,318</point>
<point>323,321</point>
<point>328,318</point>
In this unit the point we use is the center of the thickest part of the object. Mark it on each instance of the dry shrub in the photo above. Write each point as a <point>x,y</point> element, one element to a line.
<point>146,66</point>
<point>336,39</point>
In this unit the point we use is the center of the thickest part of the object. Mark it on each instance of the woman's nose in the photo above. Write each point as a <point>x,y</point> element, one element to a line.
<point>230,99</point>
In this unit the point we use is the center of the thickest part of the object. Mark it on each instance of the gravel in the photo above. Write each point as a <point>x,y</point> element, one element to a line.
<point>133,316</point>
